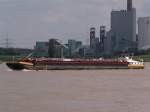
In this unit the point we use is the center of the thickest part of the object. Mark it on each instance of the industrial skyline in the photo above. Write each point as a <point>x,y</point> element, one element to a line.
<point>123,25</point>
<point>31,20</point>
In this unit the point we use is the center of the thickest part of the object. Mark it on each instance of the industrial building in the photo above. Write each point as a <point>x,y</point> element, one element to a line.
<point>109,43</point>
<point>41,49</point>
<point>123,25</point>
<point>144,33</point>
<point>74,47</point>
<point>56,49</point>
<point>95,41</point>
<point>102,37</point>
<point>92,37</point>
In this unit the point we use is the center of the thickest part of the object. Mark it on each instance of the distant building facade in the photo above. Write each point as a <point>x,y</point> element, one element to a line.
<point>87,52</point>
<point>123,25</point>
<point>144,33</point>
<point>56,49</point>
<point>92,37</point>
<point>102,37</point>
<point>94,43</point>
<point>41,49</point>
<point>109,43</point>
<point>74,47</point>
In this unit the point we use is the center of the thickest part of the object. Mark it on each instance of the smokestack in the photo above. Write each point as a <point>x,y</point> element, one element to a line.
<point>129,5</point>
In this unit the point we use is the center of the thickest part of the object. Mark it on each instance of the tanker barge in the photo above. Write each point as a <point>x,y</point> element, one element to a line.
<point>75,64</point>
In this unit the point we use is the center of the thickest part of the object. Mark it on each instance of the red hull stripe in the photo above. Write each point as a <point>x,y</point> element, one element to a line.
<point>82,62</point>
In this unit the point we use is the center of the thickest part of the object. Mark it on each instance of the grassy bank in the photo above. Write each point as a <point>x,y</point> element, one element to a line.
<point>8,58</point>
<point>146,58</point>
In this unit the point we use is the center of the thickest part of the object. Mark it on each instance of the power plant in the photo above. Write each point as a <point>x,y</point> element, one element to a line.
<point>120,38</point>
<point>123,25</point>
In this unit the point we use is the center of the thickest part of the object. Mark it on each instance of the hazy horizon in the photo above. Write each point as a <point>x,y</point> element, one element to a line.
<point>26,21</point>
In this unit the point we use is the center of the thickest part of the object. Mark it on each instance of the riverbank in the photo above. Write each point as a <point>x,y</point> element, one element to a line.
<point>8,58</point>
<point>146,58</point>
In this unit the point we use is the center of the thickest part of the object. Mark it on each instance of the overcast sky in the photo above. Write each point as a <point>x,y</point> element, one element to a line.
<point>28,21</point>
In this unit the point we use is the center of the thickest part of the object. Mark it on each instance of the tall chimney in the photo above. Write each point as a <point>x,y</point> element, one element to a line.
<point>129,5</point>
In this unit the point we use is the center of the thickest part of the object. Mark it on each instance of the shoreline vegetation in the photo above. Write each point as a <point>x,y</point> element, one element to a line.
<point>16,54</point>
<point>146,58</point>
<point>13,54</point>
<point>10,58</point>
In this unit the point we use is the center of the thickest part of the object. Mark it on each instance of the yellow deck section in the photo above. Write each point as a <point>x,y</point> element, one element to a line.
<point>26,63</point>
<point>136,66</point>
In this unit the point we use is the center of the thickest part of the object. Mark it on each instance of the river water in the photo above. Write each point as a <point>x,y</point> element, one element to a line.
<point>75,91</point>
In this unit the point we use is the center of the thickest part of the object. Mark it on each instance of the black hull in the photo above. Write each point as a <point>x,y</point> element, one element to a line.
<point>15,66</point>
<point>19,66</point>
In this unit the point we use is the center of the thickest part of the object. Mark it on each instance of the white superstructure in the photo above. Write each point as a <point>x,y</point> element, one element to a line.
<point>134,63</point>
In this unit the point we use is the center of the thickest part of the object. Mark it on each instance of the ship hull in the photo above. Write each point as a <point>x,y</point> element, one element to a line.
<point>18,66</point>
<point>15,66</point>
<point>74,67</point>
<point>49,64</point>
